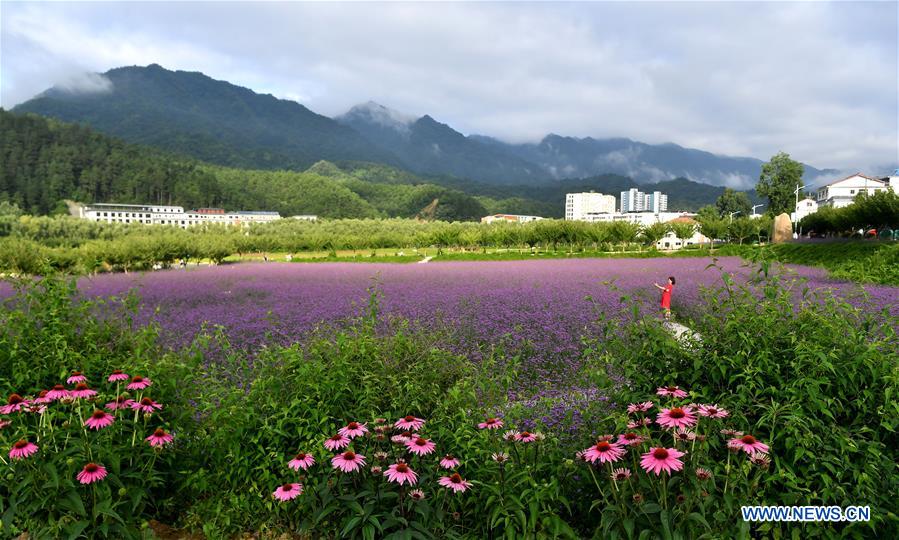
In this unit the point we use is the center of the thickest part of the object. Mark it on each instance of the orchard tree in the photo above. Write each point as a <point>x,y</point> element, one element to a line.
<point>713,228</point>
<point>683,231</point>
<point>655,232</point>
<point>778,182</point>
<point>741,229</point>
<point>733,201</point>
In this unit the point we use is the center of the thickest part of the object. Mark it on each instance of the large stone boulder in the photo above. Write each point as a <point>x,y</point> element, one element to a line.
<point>783,229</point>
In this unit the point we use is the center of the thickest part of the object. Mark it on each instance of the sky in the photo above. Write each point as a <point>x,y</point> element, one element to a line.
<point>817,80</point>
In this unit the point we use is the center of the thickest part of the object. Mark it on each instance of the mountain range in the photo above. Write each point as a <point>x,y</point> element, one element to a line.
<point>218,122</point>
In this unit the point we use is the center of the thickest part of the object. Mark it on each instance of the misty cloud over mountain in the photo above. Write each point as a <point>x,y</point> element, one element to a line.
<point>193,114</point>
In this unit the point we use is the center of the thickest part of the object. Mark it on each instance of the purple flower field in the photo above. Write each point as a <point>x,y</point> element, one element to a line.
<point>541,302</point>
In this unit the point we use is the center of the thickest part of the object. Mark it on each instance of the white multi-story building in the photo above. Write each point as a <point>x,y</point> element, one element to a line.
<point>803,208</point>
<point>640,218</point>
<point>579,205</point>
<point>634,200</point>
<point>151,214</point>
<point>841,193</point>
<point>509,218</point>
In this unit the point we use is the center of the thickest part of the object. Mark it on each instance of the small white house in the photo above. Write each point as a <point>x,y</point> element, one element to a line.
<point>841,193</point>
<point>670,241</point>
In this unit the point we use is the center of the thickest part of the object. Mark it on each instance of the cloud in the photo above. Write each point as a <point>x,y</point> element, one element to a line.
<point>818,80</point>
<point>85,83</point>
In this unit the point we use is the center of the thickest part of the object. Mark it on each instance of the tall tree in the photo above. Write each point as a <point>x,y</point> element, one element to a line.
<point>683,231</point>
<point>778,182</point>
<point>655,232</point>
<point>733,201</point>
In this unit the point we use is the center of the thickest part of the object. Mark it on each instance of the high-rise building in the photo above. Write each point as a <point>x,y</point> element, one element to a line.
<point>634,200</point>
<point>579,205</point>
<point>656,202</point>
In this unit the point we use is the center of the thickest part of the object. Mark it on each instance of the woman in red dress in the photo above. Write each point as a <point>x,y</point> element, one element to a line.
<point>666,296</point>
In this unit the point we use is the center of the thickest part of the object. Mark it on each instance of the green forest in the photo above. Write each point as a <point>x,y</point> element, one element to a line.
<point>44,162</point>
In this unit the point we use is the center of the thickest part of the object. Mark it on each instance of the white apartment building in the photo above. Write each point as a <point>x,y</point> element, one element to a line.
<point>170,215</point>
<point>640,218</point>
<point>634,200</point>
<point>841,193</point>
<point>509,218</point>
<point>579,205</point>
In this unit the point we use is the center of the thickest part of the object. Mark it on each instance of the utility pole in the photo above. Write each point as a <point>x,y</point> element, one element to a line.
<point>796,208</point>
<point>732,214</point>
<point>757,206</point>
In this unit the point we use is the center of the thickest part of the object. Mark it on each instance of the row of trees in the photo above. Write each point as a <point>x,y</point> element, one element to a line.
<point>877,211</point>
<point>28,242</point>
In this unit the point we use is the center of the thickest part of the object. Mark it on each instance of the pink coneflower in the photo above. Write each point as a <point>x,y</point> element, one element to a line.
<point>117,376</point>
<point>42,398</point>
<point>511,435</point>
<point>77,377</point>
<point>731,432</point>
<point>159,438</point>
<point>603,451</point>
<point>57,392</point>
<point>630,439</point>
<point>455,483</point>
<point>685,435</point>
<point>409,423</point>
<point>500,457</point>
<point>662,459</point>
<point>120,402</point>
<point>37,409</point>
<point>620,475</point>
<point>376,470</point>
<point>416,494</point>
<point>146,405</point>
<point>15,403</point>
<point>676,417</point>
<point>639,407</point>
<point>400,473</point>
<point>713,411</point>
<point>301,461</point>
<point>353,430</point>
<point>449,462</point>
<point>98,420</point>
<point>82,391</point>
<point>139,383</point>
<point>491,423</point>
<point>91,473</point>
<point>381,455</point>
<point>703,474</point>
<point>760,460</point>
<point>288,492</point>
<point>4,424</point>
<point>337,442</point>
<point>525,437</point>
<point>420,446</point>
<point>403,438</point>
<point>748,444</point>
<point>22,449</point>
<point>348,461</point>
<point>673,391</point>
<point>639,423</point>
<point>606,438</point>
